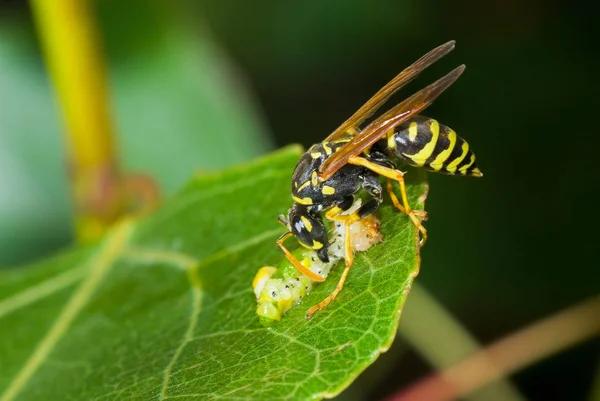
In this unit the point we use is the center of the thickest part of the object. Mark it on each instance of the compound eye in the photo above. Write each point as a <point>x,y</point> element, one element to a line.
<point>307,229</point>
<point>300,229</point>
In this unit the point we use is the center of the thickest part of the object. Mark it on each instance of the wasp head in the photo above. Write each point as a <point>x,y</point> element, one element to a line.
<point>309,229</point>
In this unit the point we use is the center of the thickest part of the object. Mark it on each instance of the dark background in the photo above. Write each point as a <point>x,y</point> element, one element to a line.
<point>504,250</point>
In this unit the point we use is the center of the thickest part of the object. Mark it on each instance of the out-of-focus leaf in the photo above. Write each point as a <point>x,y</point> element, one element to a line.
<point>179,105</point>
<point>164,308</point>
<point>178,108</point>
<point>33,185</point>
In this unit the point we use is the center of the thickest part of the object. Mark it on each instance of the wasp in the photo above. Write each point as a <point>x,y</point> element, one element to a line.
<point>328,176</point>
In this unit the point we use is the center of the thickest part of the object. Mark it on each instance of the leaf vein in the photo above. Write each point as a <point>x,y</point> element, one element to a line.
<point>189,336</point>
<point>100,266</point>
<point>42,290</point>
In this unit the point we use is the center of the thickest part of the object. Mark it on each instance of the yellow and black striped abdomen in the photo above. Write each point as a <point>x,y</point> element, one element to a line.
<point>423,142</point>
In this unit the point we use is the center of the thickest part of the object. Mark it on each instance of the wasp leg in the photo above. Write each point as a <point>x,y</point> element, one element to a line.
<point>397,176</point>
<point>295,262</point>
<point>421,213</point>
<point>340,285</point>
<point>348,220</point>
<point>372,186</point>
<point>381,159</point>
<point>334,215</point>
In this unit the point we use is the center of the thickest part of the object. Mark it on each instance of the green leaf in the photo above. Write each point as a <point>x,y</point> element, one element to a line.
<point>164,307</point>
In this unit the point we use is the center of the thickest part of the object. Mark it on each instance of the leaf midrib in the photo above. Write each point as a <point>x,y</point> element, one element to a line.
<point>101,262</point>
<point>99,268</point>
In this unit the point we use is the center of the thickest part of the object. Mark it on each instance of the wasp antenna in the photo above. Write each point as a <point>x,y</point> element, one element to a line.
<point>283,220</point>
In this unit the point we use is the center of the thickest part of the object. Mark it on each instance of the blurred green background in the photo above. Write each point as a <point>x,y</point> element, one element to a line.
<point>201,85</point>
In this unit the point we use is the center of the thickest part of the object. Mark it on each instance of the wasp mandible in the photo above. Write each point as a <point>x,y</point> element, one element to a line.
<point>330,173</point>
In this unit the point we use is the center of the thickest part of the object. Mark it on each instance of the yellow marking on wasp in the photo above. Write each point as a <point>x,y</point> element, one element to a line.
<point>444,154</point>
<point>327,190</point>
<point>306,183</point>
<point>314,178</point>
<point>342,140</point>
<point>332,212</point>
<point>463,169</point>
<point>391,142</point>
<point>304,245</point>
<point>420,157</point>
<point>315,155</point>
<point>413,130</point>
<point>476,172</point>
<point>302,201</point>
<point>317,245</point>
<point>452,166</point>
<point>306,223</point>
<point>296,184</point>
<point>352,131</point>
<point>327,148</point>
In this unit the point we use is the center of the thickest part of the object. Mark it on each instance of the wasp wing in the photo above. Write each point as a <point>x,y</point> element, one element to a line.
<point>383,124</point>
<point>390,88</point>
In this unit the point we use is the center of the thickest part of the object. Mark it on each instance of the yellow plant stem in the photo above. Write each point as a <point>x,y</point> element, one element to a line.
<point>70,43</point>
